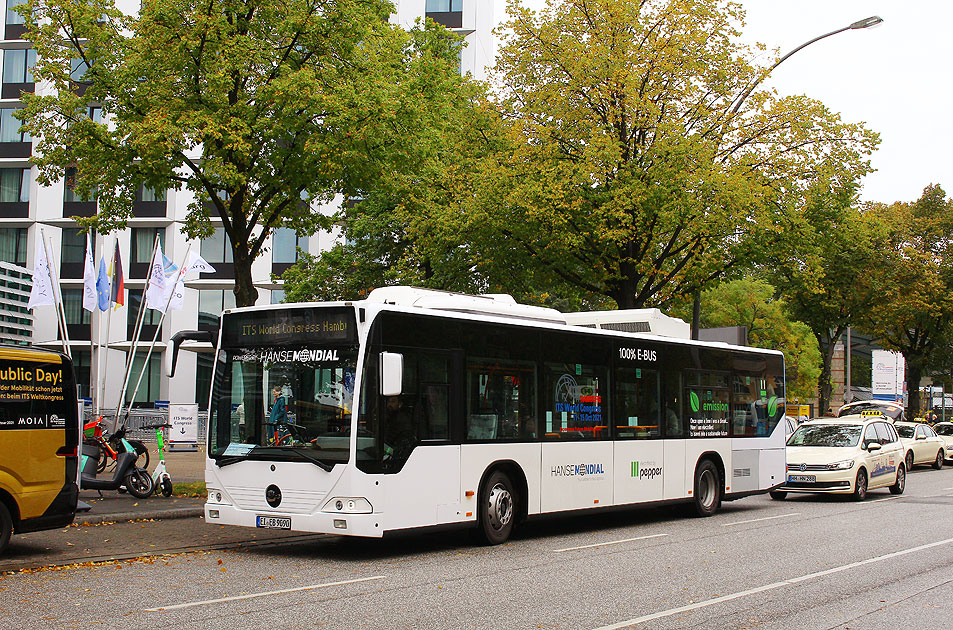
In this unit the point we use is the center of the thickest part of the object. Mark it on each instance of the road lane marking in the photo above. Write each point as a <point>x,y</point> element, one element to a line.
<point>884,499</point>
<point>611,542</point>
<point>770,587</point>
<point>253,595</point>
<point>756,520</point>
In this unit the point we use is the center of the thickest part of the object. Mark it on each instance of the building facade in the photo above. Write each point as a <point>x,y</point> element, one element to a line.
<point>28,211</point>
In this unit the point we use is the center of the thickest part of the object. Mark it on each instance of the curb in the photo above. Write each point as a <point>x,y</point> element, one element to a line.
<point>98,519</point>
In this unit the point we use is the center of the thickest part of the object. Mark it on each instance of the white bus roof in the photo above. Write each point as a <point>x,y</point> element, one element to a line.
<point>493,304</point>
<point>649,321</point>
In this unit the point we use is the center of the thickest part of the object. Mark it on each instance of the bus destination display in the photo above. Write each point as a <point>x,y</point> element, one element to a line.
<point>289,327</point>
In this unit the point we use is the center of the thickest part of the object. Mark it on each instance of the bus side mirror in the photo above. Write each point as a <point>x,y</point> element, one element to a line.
<point>172,351</point>
<point>392,373</point>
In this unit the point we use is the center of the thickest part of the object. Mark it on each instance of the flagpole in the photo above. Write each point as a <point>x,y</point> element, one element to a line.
<point>135,338</point>
<point>93,356</point>
<point>109,321</point>
<point>57,299</point>
<point>168,301</point>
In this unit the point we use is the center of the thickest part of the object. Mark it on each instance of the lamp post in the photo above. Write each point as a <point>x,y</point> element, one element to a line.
<point>872,21</point>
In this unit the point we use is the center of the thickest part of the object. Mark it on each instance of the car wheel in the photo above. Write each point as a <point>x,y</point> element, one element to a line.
<point>938,464</point>
<point>6,526</point>
<point>901,483</point>
<point>860,485</point>
<point>909,460</point>
<point>707,495</point>
<point>778,495</point>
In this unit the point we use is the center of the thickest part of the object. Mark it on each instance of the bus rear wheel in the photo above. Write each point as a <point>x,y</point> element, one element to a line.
<point>6,526</point>
<point>707,495</point>
<point>497,512</point>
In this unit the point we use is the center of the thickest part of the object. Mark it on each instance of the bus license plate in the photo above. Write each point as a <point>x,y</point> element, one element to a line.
<point>802,478</point>
<point>273,522</point>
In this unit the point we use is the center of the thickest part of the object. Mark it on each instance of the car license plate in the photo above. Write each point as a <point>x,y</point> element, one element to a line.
<point>273,522</point>
<point>802,478</point>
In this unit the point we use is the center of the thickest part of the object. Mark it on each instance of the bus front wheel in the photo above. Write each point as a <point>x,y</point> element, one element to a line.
<point>6,526</point>
<point>707,495</point>
<point>497,514</point>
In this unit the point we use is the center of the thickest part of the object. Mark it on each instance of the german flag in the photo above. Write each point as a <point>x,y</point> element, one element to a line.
<point>117,295</point>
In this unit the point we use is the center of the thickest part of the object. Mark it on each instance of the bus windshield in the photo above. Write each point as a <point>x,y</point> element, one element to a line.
<point>277,401</point>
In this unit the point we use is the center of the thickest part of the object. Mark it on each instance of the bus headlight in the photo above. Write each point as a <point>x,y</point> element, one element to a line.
<point>348,505</point>
<point>214,495</point>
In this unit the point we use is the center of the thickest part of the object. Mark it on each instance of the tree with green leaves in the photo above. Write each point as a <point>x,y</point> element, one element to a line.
<point>825,273</point>
<point>258,108</point>
<point>914,312</point>
<point>635,167</point>
<point>753,304</point>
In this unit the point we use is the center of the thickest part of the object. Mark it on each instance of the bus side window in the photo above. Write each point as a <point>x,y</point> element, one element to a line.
<point>501,399</point>
<point>637,406</point>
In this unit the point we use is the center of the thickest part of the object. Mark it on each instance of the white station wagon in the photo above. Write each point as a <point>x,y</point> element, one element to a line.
<point>847,455</point>
<point>921,444</point>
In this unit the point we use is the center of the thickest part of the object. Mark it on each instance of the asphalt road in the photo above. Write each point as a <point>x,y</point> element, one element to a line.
<point>807,562</point>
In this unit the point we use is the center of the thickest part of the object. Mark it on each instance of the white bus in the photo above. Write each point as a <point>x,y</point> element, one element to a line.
<point>417,408</point>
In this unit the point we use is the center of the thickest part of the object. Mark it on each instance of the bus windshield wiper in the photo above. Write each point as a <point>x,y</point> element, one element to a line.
<point>225,460</point>
<point>299,451</point>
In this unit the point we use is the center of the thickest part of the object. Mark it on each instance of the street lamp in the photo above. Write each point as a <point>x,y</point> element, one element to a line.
<point>870,22</point>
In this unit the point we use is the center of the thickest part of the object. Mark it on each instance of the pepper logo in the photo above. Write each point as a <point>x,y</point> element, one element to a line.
<point>693,400</point>
<point>772,406</point>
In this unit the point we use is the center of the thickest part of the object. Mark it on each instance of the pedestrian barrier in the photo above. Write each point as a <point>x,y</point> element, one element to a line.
<point>139,418</point>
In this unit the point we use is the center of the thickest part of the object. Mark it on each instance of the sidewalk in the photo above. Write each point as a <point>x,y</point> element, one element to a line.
<point>112,506</point>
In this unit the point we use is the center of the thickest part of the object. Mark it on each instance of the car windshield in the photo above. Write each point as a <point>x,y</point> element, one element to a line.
<point>834,435</point>
<point>944,429</point>
<point>905,432</point>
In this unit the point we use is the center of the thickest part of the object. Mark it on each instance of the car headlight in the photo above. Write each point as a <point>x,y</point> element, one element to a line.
<point>847,464</point>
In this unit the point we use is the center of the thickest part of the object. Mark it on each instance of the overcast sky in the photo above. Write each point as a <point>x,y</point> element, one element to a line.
<point>896,78</point>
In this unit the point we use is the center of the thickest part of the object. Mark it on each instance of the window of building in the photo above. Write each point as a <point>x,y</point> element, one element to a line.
<point>444,6</point>
<point>150,318</point>
<point>70,195</point>
<point>12,16</point>
<point>81,368</point>
<point>143,242</point>
<point>211,304</point>
<point>150,194</point>
<point>73,307</point>
<point>14,185</point>
<point>96,114</point>
<point>13,245</point>
<point>74,246</point>
<point>277,296</point>
<point>77,69</point>
<point>18,65</point>
<point>10,127</point>
<point>149,387</point>
<point>203,379</point>
<point>216,248</point>
<point>285,247</point>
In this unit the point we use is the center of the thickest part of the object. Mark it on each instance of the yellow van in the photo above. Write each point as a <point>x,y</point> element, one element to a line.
<point>39,439</point>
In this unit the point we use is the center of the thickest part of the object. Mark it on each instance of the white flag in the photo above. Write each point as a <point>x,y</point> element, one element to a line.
<point>199,264</point>
<point>156,291</point>
<point>177,303</point>
<point>42,292</point>
<point>89,279</point>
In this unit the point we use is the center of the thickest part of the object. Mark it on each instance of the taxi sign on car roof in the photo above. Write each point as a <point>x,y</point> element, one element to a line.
<point>871,412</point>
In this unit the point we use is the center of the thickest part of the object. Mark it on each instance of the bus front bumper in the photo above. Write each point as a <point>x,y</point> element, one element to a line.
<point>367,525</point>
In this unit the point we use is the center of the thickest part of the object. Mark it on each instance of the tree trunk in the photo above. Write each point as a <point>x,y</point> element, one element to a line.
<point>914,372</point>
<point>824,387</point>
<point>245,292</point>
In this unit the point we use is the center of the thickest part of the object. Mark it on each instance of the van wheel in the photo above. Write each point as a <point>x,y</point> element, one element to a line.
<point>6,527</point>
<point>860,486</point>
<point>897,488</point>
<point>707,497</point>
<point>778,495</point>
<point>497,511</point>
